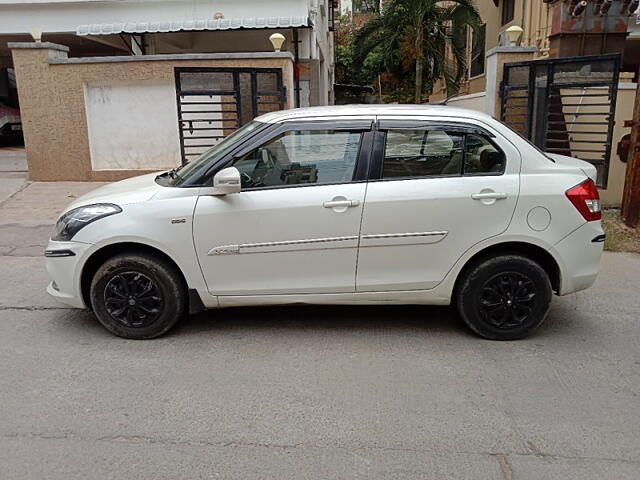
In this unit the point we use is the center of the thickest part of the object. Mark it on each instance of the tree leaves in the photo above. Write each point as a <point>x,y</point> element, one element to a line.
<point>418,41</point>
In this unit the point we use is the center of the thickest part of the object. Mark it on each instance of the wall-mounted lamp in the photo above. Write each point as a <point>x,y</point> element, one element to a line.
<point>277,39</point>
<point>36,34</point>
<point>514,33</point>
<point>578,8</point>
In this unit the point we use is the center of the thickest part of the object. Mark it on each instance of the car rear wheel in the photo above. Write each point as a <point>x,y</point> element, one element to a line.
<point>137,296</point>
<point>504,298</point>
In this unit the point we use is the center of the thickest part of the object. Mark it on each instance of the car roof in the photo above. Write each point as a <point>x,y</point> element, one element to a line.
<point>372,110</point>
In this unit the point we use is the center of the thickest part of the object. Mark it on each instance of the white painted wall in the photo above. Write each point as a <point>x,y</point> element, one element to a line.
<point>132,125</point>
<point>491,84</point>
<point>346,6</point>
<point>473,101</point>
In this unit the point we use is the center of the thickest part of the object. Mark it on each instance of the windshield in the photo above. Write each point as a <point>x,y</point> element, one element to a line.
<point>196,167</point>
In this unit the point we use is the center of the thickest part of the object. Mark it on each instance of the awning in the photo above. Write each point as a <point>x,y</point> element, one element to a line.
<point>192,25</point>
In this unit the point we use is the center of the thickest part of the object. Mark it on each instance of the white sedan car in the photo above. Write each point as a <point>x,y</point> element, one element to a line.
<point>338,205</point>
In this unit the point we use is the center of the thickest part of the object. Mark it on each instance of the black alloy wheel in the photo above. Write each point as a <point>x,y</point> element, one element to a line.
<point>507,299</point>
<point>138,295</point>
<point>504,297</point>
<point>133,299</point>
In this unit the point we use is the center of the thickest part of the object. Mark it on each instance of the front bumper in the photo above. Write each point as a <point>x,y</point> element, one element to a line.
<point>64,262</point>
<point>580,253</point>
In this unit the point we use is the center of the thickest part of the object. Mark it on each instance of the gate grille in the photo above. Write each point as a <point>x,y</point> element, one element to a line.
<point>213,102</point>
<point>564,105</point>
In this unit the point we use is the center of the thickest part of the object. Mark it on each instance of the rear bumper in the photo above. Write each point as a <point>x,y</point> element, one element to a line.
<point>580,254</point>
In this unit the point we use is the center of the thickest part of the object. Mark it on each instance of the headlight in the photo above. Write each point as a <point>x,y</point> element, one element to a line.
<point>74,220</point>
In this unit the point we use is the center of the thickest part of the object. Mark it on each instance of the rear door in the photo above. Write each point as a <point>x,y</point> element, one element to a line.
<point>436,189</point>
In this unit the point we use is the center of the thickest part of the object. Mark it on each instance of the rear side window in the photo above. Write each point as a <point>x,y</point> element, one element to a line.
<point>422,153</point>
<point>439,152</point>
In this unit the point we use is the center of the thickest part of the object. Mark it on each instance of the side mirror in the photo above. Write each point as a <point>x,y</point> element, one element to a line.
<point>226,181</point>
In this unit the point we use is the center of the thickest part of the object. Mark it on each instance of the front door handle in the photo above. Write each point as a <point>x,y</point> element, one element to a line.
<point>341,203</point>
<point>489,196</point>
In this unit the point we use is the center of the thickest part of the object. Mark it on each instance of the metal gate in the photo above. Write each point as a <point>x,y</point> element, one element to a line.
<point>564,105</point>
<point>213,102</point>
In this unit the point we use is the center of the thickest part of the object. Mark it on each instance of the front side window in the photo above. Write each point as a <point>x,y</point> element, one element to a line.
<point>435,152</point>
<point>422,153</point>
<point>301,157</point>
<point>197,167</point>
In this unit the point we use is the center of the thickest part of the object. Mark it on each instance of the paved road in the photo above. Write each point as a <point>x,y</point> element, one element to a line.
<point>13,171</point>
<point>311,392</point>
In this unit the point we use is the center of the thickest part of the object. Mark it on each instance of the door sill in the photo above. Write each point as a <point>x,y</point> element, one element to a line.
<point>425,297</point>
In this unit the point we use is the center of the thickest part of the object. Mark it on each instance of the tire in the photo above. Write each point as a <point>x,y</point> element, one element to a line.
<point>138,296</point>
<point>504,298</point>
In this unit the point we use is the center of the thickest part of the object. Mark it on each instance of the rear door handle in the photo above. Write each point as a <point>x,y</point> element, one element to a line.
<point>489,196</point>
<point>341,203</point>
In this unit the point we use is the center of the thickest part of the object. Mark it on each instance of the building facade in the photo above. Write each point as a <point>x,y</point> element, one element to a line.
<point>556,28</point>
<point>115,88</point>
<point>559,29</point>
<point>146,27</point>
<point>109,118</point>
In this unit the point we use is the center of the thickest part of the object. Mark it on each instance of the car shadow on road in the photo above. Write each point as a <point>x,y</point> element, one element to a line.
<point>325,317</point>
<point>406,319</point>
<point>410,318</point>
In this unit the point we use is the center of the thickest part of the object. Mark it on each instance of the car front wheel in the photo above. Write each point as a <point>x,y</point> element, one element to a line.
<point>505,297</point>
<point>137,295</point>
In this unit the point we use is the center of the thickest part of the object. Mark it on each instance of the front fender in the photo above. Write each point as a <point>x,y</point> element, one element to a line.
<point>164,224</point>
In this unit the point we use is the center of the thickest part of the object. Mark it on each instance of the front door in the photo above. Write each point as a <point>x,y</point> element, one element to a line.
<point>437,190</point>
<point>293,229</point>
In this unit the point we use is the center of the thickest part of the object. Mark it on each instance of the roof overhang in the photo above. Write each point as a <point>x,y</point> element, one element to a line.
<point>192,25</point>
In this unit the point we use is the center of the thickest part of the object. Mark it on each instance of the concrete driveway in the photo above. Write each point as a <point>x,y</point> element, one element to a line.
<point>310,392</point>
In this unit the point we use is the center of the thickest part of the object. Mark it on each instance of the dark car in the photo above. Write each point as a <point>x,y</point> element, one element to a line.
<point>10,125</point>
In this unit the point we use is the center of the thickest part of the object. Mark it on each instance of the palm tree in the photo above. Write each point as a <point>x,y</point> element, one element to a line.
<point>417,35</point>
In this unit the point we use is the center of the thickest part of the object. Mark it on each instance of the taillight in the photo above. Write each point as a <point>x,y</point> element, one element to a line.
<point>586,199</point>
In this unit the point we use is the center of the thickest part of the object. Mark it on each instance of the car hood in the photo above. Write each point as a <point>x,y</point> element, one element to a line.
<point>125,192</point>
<point>588,169</point>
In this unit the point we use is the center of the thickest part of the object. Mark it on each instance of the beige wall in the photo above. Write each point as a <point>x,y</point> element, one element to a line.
<point>53,110</point>
<point>218,41</point>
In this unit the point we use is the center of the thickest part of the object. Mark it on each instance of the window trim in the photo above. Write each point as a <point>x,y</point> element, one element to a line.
<point>362,126</point>
<point>412,124</point>
<point>380,141</point>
